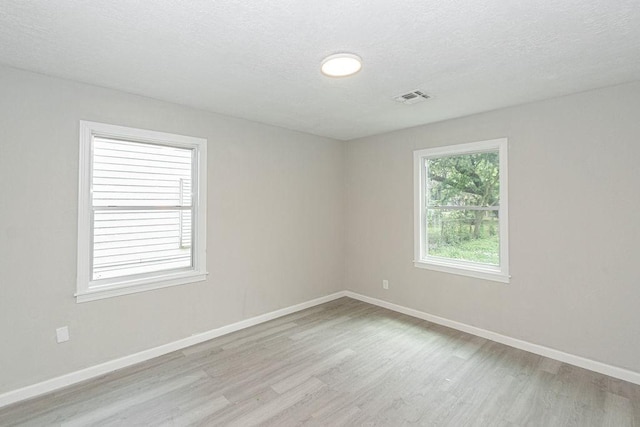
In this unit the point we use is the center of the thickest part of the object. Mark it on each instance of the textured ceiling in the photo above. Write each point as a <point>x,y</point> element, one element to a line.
<point>260,59</point>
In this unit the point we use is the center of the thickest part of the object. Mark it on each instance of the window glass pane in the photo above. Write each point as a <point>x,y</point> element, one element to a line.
<point>136,174</point>
<point>135,242</point>
<point>464,180</point>
<point>131,174</point>
<point>464,235</point>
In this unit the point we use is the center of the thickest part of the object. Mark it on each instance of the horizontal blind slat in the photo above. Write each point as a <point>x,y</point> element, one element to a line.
<point>126,154</point>
<point>115,168</point>
<point>107,238</point>
<point>134,243</point>
<point>108,273</point>
<point>138,257</point>
<point>139,147</point>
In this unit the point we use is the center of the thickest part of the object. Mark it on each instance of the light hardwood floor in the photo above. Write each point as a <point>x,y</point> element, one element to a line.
<point>342,363</point>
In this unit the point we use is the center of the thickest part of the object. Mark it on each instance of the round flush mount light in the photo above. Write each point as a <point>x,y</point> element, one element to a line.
<point>341,65</point>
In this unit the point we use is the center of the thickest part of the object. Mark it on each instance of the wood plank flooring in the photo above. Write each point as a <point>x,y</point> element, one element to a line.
<point>342,363</point>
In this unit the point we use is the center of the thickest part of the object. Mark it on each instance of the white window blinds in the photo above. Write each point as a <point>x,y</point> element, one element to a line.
<point>142,208</point>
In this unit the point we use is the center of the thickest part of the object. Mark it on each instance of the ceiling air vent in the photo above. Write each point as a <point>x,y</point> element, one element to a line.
<point>411,97</point>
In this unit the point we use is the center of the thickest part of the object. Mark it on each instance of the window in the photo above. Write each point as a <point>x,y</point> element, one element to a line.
<point>142,210</point>
<point>461,219</point>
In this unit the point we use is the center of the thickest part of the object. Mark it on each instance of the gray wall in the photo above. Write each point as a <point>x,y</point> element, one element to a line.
<point>275,227</point>
<point>574,204</point>
<point>279,211</point>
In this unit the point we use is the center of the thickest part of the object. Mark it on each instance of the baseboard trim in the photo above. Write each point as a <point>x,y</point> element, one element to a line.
<point>66,380</point>
<point>582,362</point>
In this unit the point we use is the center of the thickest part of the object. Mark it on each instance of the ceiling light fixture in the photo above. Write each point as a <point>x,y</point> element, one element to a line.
<point>341,65</point>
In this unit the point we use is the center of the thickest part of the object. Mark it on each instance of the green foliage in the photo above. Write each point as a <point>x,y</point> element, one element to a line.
<point>457,182</point>
<point>485,250</point>
<point>465,180</point>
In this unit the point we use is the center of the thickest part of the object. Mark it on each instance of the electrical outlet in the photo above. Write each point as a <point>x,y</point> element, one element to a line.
<point>62,334</point>
<point>385,284</point>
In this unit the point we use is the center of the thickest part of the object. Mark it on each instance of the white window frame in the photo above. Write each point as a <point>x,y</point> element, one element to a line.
<point>89,290</point>
<point>422,259</point>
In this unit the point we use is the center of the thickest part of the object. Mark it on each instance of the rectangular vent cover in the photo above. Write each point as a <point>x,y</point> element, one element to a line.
<point>411,97</point>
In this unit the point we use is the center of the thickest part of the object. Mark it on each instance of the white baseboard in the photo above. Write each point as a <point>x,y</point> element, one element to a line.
<point>582,362</point>
<point>66,380</point>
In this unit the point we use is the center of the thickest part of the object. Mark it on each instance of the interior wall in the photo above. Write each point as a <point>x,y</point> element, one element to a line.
<point>573,214</point>
<point>283,228</point>
<point>275,227</point>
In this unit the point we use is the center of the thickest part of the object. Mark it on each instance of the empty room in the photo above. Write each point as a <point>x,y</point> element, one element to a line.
<point>337,213</point>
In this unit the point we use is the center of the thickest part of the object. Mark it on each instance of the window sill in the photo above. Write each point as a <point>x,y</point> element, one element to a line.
<point>464,270</point>
<point>125,288</point>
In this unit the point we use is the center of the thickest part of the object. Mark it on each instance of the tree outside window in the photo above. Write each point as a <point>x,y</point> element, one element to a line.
<point>461,220</point>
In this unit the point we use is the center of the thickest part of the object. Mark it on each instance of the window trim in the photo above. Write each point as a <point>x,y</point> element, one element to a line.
<point>421,258</point>
<point>128,285</point>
